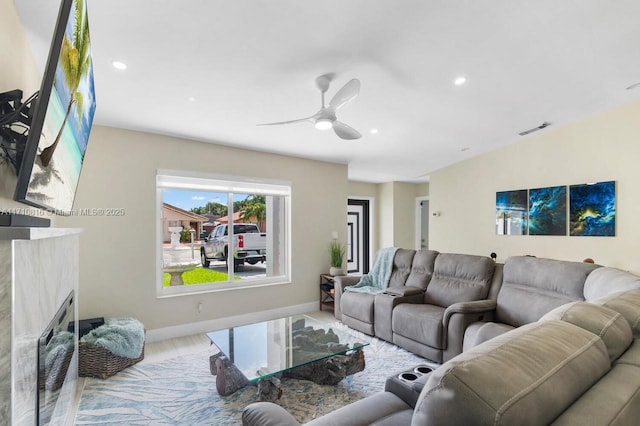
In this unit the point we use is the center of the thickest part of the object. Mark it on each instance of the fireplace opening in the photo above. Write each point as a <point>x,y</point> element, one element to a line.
<point>56,347</point>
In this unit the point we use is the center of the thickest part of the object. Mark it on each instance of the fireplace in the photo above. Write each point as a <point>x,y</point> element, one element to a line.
<point>56,349</point>
<point>38,271</point>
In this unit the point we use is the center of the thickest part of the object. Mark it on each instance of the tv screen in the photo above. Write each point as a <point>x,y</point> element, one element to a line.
<point>59,132</point>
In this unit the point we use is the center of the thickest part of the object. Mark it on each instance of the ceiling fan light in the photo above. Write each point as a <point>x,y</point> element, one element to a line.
<point>324,124</point>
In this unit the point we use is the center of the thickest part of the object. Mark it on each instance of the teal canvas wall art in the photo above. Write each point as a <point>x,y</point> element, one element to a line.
<point>511,212</point>
<point>592,210</point>
<point>548,211</point>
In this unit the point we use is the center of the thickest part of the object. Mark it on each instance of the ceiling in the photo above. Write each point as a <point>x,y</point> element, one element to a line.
<point>210,70</point>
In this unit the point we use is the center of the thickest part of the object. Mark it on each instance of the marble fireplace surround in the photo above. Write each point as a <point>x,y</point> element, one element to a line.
<point>38,270</point>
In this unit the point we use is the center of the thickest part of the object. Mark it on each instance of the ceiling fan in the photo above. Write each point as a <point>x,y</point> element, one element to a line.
<point>326,117</point>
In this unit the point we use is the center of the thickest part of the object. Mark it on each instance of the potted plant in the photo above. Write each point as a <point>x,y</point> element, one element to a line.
<point>336,257</point>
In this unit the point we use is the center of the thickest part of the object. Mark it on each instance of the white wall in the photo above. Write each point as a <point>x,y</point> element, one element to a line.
<point>600,148</point>
<point>404,214</point>
<point>385,215</point>
<point>118,254</point>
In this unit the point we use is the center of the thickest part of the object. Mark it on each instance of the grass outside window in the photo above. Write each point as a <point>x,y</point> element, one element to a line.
<point>198,276</point>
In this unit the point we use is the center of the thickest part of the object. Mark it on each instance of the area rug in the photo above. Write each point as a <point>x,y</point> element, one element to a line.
<point>181,391</point>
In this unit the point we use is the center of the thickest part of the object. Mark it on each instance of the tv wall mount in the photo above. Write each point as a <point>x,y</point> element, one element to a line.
<point>15,121</point>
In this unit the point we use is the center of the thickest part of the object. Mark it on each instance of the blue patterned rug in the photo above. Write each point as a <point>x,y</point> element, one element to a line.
<point>182,391</point>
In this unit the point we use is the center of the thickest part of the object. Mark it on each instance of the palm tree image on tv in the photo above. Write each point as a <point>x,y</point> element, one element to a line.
<point>66,107</point>
<point>75,62</point>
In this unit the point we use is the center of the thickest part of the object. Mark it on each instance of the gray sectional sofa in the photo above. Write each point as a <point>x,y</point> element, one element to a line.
<point>441,304</point>
<point>579,364</point>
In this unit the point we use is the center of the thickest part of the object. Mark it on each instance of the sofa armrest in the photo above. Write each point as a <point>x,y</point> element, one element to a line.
<point>464,308</point>
<point>404,291</point>
<point>407,391</point>
<point>267,414</point>
<point>457,318</point>
<point>339,284</point>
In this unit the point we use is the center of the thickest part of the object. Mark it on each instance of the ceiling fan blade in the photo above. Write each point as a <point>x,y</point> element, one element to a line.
<point>299,120</point>
<point>344,95</point>
<point>345,132</point>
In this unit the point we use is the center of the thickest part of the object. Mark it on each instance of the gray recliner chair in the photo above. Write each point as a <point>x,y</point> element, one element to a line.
<point>434,328</point>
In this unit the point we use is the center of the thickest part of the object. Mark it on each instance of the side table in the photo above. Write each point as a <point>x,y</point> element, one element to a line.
<point>327,291</point>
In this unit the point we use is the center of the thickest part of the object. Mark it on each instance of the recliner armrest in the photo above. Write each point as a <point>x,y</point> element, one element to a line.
<point>267,414</point>
<point>408,392</point>
<point>339,284</point>
<point>474,307</point>
<point>343,281</point>
<point>404,291</point>
<point>455,320</point>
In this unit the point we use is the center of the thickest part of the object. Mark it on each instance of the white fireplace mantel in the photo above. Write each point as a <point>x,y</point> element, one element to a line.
<point>38,270</point>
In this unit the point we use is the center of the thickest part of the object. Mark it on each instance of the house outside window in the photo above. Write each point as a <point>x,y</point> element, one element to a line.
<point>219,232</point>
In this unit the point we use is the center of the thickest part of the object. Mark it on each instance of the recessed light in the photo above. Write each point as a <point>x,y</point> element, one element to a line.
<point>373,131</point>
<point>119,65</point>
<point>191,99</point>
<point>460,81</point>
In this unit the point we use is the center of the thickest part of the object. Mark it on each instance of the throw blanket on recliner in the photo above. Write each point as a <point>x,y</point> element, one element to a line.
<point>377,280</point>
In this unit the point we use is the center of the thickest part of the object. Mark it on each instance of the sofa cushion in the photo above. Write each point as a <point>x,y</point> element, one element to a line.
<point>628,304</point>
<point>604,281</point>
<point>613,401</point>
<point>459,278</point>
<point>632,355</point>
<point>421,269</point>
<point>380,409</point>
<point>533,286</point>
<point>358,306</point>
<point>419,322</point>
<point>609,325</point>
<point>267,414</point>
<point>480,332</point>
<point>528,375</point>
<point>401,269</point>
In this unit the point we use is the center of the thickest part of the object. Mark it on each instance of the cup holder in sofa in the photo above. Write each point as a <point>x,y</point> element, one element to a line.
<point>408,377</point>
<point>415,374</point>
<point>422,369</point>
<point>408,384</point>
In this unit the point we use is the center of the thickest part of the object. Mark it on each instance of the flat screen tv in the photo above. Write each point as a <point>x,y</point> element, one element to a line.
<point>62,119</point>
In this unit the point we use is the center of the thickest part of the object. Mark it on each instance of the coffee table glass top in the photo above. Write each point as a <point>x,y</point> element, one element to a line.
<point>267,348</point>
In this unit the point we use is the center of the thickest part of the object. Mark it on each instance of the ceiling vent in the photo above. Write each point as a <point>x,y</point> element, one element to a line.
<point>535,129</point>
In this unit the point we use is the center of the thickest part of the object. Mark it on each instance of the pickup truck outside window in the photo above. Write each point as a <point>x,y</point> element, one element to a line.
<point>196,248</point>
<point>249,245</point>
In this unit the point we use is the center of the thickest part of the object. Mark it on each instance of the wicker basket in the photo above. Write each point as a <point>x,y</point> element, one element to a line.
<point>101,363</point>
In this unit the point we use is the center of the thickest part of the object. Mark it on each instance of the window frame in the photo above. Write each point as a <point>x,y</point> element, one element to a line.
<point>187,180</point>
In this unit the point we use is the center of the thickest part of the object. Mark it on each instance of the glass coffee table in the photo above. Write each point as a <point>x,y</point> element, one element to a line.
<point>298,347</point>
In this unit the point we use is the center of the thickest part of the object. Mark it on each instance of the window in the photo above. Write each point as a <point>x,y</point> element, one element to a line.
<point>220,232</point>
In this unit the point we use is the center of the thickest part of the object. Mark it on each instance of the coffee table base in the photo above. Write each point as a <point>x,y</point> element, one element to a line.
<point>328,371</point>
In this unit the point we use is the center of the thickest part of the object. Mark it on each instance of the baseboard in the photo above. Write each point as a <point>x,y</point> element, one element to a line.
<point>181,330</point>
